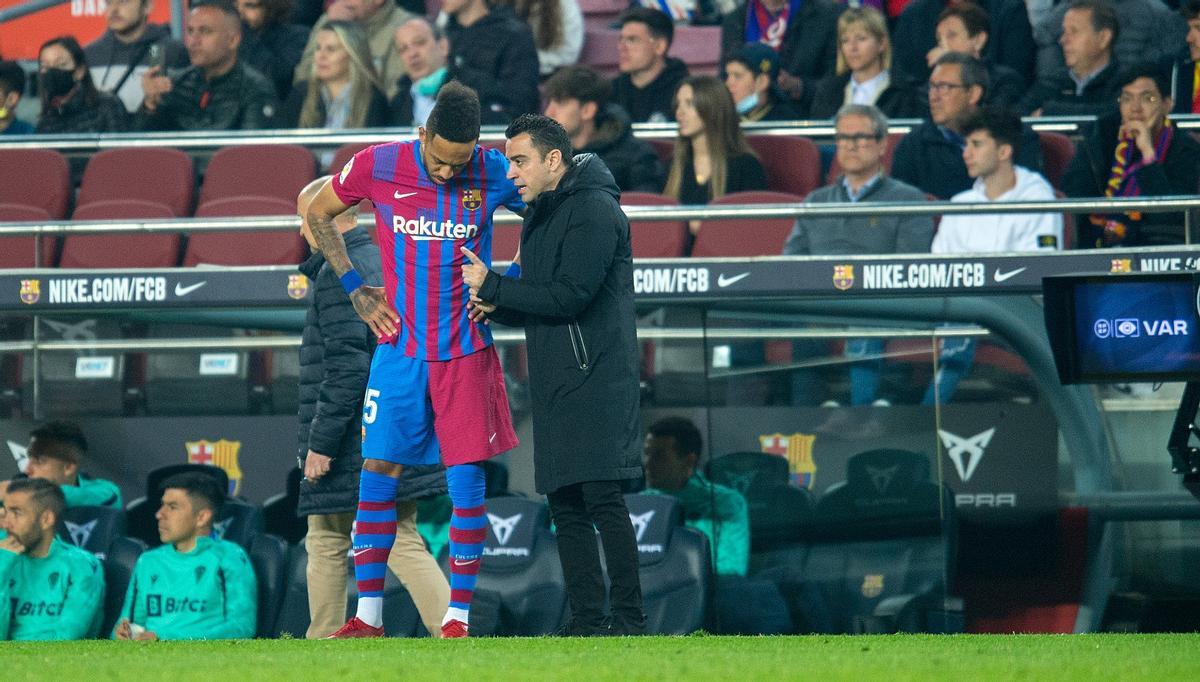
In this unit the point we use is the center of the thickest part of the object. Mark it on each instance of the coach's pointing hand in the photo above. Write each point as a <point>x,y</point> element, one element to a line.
<point>474,272</point>
<point>372,306</point>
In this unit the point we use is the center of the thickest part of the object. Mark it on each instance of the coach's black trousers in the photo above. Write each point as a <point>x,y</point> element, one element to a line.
<point>576,510</point>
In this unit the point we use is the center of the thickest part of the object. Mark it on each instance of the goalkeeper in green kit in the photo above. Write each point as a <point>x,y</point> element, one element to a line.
<point>194,586</point>
<point>48,589</point>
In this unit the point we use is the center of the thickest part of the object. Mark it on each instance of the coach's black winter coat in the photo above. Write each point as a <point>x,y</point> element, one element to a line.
<point>575,299</point>
<point>335,359</point>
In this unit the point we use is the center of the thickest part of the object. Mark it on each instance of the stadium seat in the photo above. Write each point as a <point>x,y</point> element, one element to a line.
<point>293,618</point>
<point>792,164</point>
<point>268,554</point>
<point>37,178</point>
<point>778,510</point>
<point>600,50</point>
<point>495,479</point>
<point>239,522</point>
<point>130,250</point>
<point>18,252</point>
<point>745,236</point>
<point>140,512</point>
<point>699,47</point>
<point>601,13</point>
<point>174,385</point>
<point>343,154</point>
<point>1057,152</point>
<point>664,147</point>
<point>520,571</point>
<point>92,528</point>
<point>279,511</point>
<point>655,238</point>
<point>158,174</point>
<point>119,561</point>
<point>265,247</point>
<point>675,566</point>
<point>506,240</point>
<point>262,170</point>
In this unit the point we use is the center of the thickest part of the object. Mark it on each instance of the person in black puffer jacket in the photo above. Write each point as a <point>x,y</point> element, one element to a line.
<point>70,101</point>
<point>335,359</point>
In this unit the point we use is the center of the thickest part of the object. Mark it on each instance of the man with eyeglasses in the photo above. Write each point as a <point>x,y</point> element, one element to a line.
<point>930,157</point>
<point>1086,85</point>
<point>1136,153</point>
<point>861,143</point>
<point>646,87</point>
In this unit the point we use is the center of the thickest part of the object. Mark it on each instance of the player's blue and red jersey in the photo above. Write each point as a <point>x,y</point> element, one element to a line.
<point>420,226</point>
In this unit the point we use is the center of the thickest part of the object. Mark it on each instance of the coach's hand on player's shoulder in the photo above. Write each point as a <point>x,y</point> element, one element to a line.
<point>316,465</point>
<point>478,309</point>
<point>474,270</point>
<point>156,85</point>
<point>372,306</point>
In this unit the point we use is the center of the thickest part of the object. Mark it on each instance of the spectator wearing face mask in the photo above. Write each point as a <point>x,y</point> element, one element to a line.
<point>70,101</point>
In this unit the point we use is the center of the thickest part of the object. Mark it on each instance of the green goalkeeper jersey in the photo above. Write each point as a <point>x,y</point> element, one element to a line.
<point>60,596</point>
<point>93,491</point>
<point>207,593</point>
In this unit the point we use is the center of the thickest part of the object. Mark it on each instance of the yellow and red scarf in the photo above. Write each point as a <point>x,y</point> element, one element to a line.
<point>1123,182</point>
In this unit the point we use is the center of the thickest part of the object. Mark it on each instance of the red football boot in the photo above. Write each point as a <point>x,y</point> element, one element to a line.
<point>454,629</point>
<point>356,629</point>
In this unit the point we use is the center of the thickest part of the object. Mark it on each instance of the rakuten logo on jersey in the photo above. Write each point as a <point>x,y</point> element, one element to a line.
<point>424,229</point>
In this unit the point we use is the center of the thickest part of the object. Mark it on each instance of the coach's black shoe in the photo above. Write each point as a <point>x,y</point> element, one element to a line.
<point>574,628</point>
<point>628,626</point>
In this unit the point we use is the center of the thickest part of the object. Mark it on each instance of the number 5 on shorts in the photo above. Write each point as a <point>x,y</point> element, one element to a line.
<point>370,407</point>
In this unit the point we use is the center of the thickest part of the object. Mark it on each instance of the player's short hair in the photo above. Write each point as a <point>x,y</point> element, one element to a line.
<point>579,82</point>
<point>1001,125</point>
<point>72,445</point>
<point>545,133</point>
<point>1149,70</point>
<point>687,436</point>
<point>974,17</point>
<point>12,77</point>
<point>659,24</point>
<point>455,116</point>
<point>45,495</point>
<point>203,491</point>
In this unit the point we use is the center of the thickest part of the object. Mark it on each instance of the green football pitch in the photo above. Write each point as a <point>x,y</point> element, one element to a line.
<point>889,657</point>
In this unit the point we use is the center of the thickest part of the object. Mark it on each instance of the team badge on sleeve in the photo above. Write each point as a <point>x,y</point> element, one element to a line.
<point>346,171</point>
<point>471,199</point>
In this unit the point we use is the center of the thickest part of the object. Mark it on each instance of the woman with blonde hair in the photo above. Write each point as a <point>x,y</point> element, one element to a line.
<point>711,156</point>
<point>343,90</point>
<point>864,72</point>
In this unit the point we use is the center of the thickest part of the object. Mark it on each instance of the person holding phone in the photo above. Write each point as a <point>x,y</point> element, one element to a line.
<point>130,47</point>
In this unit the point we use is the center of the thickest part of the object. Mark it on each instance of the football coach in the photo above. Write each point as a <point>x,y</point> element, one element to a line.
<point>574,297</point>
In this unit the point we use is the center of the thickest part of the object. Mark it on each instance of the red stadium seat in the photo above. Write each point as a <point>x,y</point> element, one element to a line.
<point>792,164</point>
<point>1057,152</point>
<point>655,238</point>
<point>1068,241</point>
<point>245,248</point>
<point>343,154</point>
<point>157,174</point>
<point>664,147</point>
<point>893,139</point>
<point>600,50</point>
<point>121,250</point>
<point>266,170</point>
<point>18,252</point>
<point>601,13</point>
<point>506,239</point>
<point>35,177</point>
<point>699,47</point>
<point>745,236</point>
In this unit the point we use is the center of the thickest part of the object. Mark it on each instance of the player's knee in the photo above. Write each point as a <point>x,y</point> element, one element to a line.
<point>379,466</point>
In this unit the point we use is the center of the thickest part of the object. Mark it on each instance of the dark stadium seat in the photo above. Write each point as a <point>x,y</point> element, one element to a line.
<point>600,50</point>
<point>655,238</point>
<point>520,571</point>
<point>92,528</point>
<point>293,618</point>
<point>792,164</point>
<point>279,511</point>
<point>239,522</point>
<point>495,478</point>
<point>264,170</point>
<point>675,565</point>
<point>272,247</point>
<point>745,236</point>
<point>129,250</point>
<point>268,554</point>
<point>778,510</point>
<point>119,561</point>
<point>174,385</point>
<point>1057,152</point>
<point>664,148</point>
<point>140,512</point>
<point>37,178</point>
<point>158,174</point>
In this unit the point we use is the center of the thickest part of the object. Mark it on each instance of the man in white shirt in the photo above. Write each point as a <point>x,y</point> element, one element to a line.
<point>991,137</point>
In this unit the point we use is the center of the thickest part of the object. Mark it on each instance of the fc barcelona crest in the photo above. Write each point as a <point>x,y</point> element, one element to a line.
<point>1122,265</point>
<point>222,453</point>
<point>472,199</point>
<point>297,286</point>
<point>872,586</point>
<point>798,450</point>
<point>31,291</point>
<point>843,277</point>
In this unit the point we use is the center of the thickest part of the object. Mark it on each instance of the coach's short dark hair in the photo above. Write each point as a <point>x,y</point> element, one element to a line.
<point>1104,16</point>
<point>659,23</point>
<point>973,71</point>
<point>1002,125</point>
<point>455,116</point>
<point>67,435</point>
<point>578,82</point>
<point>204,491</point>
<point>12,77</point>
<point>45,495</point>
<point>545,133</point>
<point>974,17</point>
<point>1149,70</point>
<point>686,435</point>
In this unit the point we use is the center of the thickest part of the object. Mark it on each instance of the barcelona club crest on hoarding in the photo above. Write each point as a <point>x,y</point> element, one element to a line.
<point>472,199</point>
<point>797,449</point>
<point>297,286</point>
<point>872,585</point>
<point>31,290</point>
<point>843,277</point>
<point>222,453</point>
<point>1122,265</point>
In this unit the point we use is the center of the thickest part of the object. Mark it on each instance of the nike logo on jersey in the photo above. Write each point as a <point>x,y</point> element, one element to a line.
<point>492,438</point>
<point>398,195</point>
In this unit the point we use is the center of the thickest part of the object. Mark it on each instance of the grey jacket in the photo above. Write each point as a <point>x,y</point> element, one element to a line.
<point>861,235</point>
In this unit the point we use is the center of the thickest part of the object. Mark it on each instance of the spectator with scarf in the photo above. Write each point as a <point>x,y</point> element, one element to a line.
<point>1138,153</point>
<point>802,32</point>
